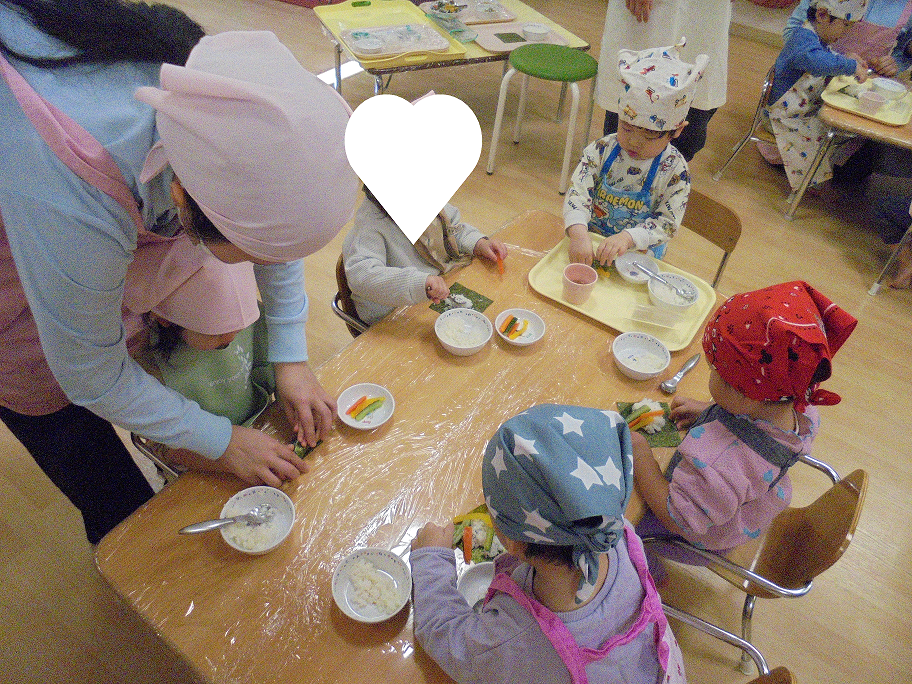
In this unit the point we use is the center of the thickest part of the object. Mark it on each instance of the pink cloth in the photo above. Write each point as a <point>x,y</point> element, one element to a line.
<point>191,289</point>
<point>870,41</point>
<point>258,142</point>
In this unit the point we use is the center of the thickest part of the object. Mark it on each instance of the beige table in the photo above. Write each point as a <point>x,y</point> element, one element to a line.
<point>271,619</point>
<point>841,122</point>
<point>338,17</point>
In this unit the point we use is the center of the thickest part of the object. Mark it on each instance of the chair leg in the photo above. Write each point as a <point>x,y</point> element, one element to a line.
<point>560,101</point>
<point>747,663</point>
<point>521,110</point>
<point>718,174</point>
<point>498,118</point>
<point>571,135</point>
<point>795,197</point>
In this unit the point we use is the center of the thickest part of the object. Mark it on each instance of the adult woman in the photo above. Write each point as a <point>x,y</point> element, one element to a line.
<point>258,125</point>
<point>643,24</point>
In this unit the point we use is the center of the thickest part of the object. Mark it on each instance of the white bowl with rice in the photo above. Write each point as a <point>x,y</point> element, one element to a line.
<point>262,538</point>
<point>463,332</point>
<point>665,298</point>
<point>371,585</point>
<point>640,356</point>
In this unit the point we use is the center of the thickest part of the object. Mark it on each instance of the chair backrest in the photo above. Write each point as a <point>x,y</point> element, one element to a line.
<point>803,542</point>
<point>715,222</point>
<point>345,302</point>
<point>779,675</point>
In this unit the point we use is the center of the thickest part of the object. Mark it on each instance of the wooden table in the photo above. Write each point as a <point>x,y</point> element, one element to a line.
<point>841,122</point>
<point>334,22</point>
<point>271,619</point>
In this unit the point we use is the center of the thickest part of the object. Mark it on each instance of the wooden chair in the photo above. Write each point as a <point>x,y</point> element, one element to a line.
<point>715,222</point>
<point>799,545</point>
<point>757,132</point>
<point>343,305</point>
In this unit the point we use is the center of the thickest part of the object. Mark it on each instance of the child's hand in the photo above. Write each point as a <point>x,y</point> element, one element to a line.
<point>885,66</point>
<point>861,68</point>
<point>613,246</point>
<point>684,411</point>
<point>434,535</point>
<point>580,247</point>
<point>436,289</point>
<point>490,249</point>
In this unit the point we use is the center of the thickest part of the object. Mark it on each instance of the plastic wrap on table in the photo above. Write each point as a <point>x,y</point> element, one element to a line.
<point>263,619</point>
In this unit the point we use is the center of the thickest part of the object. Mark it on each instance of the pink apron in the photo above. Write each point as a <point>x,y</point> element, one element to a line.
<point>870,41</point>
<point>27,385</point>
<point>576,658</point>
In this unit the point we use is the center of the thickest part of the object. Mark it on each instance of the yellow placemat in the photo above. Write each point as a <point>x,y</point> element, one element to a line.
<point>894,112</point>
<point>618,304</point>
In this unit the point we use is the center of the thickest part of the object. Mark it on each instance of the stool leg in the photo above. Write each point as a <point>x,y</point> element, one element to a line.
<point>589,114</point>
<point>498,118</point>
<point>520,112</point>
<point>571,134</point>
<point>560,101</point>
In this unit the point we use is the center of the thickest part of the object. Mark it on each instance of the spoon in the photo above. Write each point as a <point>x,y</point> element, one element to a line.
<point>684,294</point>
<point>670,385</point>
<point>256,516</point>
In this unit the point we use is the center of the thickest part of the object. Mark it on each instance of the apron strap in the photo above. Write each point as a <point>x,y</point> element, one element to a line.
<point>74,146</point>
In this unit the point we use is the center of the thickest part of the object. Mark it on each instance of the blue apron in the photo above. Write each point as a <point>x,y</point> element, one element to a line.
<point>614,210</point>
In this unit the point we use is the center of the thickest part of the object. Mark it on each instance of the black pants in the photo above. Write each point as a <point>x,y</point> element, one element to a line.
<point>87,461</point>
<point>692,138</point>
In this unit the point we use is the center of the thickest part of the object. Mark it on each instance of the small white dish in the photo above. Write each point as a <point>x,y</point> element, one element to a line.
<point>259,539</point>
<point>624,266</point>
<point>533,332</point>
<point>640,356</point>
<point>390,569</point>
<point>535,32</point>
<point>473,583</point>
<point>367,46</point>
<point>665,298</point>
<point>463,332</point>
<point>890,89</point>
<point>366,389</point>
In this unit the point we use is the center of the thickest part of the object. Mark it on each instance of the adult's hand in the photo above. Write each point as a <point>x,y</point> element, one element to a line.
<point>640,9</point>
<point>885,66</point>
<point>309,409</point>
<point>257,458</point>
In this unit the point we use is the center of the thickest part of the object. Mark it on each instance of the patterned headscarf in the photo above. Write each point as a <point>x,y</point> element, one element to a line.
<point>850,10</point>
<point>777,343</point>
<point>550,468</point>
<point>657,86</point>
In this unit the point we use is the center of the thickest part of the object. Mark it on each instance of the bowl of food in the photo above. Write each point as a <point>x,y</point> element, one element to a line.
<point>519,326</point>
<point>664,297</point>
<point>640,356</point>
<point>463,332</point>
<point>890,89</point>
<point>262,538</point>
<point>371,585</point>
<point>448,9</point>
<point>365,406</point>
<point>625,266</point>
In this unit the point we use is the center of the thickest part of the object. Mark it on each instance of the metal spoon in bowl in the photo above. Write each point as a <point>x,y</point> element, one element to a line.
<point>256,516</point>
<point>670,385</point>
<point>684,294</point>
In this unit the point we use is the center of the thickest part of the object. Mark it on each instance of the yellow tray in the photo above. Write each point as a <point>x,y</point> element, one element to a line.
<point>352,15</point>
<point>622,305</point>
<point>893,113</point>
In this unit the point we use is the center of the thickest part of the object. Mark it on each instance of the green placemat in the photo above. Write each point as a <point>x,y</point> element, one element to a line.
<point>457,299</point>
<point>668,436</point>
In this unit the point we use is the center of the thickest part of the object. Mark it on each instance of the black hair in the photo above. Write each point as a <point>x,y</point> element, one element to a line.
<point>202,225</point>
<point>167,337</point>
<point>812,13</point>
<point>373,198</point>
<point>559,555</point>
<point>105,31</point>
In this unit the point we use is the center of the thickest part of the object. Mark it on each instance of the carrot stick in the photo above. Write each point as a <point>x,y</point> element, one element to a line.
<point>357,406</point>
<point>500,265</point>
<point>467,543</point>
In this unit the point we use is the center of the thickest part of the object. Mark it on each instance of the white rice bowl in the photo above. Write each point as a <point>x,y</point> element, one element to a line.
<point>463,331</point>
<point>664,297</point>
<point>371,585</point>
<point>640,356</point>
<point>258,539</point>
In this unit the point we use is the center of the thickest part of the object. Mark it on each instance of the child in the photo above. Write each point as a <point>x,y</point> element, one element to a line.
<point>208,339</point>
<point>801,72</point>
<point>385,270</point>
<point>578,603</point>
<point>769,350</point>
<point>632,186</point>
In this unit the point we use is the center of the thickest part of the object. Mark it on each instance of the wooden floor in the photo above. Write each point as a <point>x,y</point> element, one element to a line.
<point>60,623</point>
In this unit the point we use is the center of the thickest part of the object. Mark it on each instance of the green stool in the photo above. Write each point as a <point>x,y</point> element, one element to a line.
<point>551,63</point>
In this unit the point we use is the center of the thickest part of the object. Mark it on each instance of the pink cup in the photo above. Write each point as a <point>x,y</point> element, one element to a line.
<point>579,281</point>
<point>869,101</point>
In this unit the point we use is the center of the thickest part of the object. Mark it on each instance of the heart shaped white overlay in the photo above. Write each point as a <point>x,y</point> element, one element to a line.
<point>413,157</point>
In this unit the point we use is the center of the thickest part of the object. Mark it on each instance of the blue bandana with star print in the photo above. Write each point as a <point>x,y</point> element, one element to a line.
<point>550,470</point>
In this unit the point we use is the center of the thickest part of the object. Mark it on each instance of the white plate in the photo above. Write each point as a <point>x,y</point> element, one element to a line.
<point>473,583</point>
<point>389,565</point>
<point>348,397</point>
<point>534,331</point>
